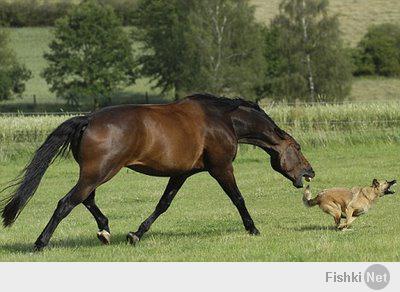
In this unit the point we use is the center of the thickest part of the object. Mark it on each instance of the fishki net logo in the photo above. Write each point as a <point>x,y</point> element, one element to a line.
<point>375,277</point>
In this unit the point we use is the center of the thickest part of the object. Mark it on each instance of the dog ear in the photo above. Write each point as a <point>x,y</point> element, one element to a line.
<point>375,183</point>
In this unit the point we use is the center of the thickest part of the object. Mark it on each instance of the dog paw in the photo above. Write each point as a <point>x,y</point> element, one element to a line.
<point>346,229</point>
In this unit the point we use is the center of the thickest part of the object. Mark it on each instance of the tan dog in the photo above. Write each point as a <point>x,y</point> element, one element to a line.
<point>348,203</point>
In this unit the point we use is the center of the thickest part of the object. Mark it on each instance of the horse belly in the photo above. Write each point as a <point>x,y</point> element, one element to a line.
<point>168,160</point>
<point>166,144</point>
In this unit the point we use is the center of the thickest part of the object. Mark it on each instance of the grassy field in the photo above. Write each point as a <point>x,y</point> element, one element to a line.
<point>348,145</point>
<point>354,15</point>
<point>345,124</point>
<point>375,88</point>
<point>202,224</point>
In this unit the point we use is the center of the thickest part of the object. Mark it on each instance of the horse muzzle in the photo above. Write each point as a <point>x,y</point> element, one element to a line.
<point>307,174</point>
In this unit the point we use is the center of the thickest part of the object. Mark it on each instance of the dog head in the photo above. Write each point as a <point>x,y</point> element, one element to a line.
<point>383,186</point>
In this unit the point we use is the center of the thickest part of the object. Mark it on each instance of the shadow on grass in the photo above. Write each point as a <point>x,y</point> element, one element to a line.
<point>116,239</point>
<point>28,247</point>
<point>204,233</point>
<point>312,228</point>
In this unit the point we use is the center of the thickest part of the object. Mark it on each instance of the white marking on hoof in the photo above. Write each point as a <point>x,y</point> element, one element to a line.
<point>104,236</point>
<point>132,238</point>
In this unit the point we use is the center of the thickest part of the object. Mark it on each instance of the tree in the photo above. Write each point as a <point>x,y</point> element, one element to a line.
<point>91,55</point>
<point>200,45</point>
<point>13,75</point>
<point>379,51</point>
<point>160,27</point>
<point>305,55</point>
<point>227,42</point>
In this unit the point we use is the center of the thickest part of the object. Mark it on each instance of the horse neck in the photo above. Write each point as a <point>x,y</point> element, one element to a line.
<point>254,128</point>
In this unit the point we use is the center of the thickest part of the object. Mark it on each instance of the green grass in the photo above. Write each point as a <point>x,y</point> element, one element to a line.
<point>29,45</point>
<point>375,88</point>
<point>202,224</point>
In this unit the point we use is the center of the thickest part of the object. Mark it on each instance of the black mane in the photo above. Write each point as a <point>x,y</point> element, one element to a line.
<point>229,104</point>
<point>226,104</point>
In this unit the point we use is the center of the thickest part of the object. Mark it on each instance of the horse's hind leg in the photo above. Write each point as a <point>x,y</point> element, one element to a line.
<point>102,221</point>
<point>174,184</point>
<point>75,196</point>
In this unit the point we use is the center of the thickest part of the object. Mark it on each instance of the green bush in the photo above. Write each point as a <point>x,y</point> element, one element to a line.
<point>21,13</point>
<point>378,53</point>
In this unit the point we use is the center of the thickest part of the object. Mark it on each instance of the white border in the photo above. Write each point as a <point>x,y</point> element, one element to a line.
<point>186,277</point>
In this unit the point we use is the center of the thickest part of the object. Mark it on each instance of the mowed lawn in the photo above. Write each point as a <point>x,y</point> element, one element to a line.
<point>203,225</point>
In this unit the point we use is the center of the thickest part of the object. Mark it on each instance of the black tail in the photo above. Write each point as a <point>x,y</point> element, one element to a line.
<point>68,133</point>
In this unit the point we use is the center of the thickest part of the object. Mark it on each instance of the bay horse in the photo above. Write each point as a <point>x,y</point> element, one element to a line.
<point>175,140</point>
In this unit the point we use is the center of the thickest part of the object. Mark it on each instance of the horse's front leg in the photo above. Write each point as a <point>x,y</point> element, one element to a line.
<point>226,179</point>
<point>174,184</point>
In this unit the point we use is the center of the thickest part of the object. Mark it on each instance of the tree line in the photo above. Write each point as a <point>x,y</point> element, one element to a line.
<point>29,13</point>
<point>210,45</point>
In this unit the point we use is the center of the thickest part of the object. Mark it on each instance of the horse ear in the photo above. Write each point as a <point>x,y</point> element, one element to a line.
<point>280,133</point>
<point>375,183</point>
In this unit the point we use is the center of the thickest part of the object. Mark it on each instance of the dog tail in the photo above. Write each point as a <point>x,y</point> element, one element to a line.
<point>308,202</point>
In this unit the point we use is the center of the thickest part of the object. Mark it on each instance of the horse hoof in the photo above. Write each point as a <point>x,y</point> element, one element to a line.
<point>254,231</point>
<point>38,248</point>
<point>104,237</point>
<point>132,238</point>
